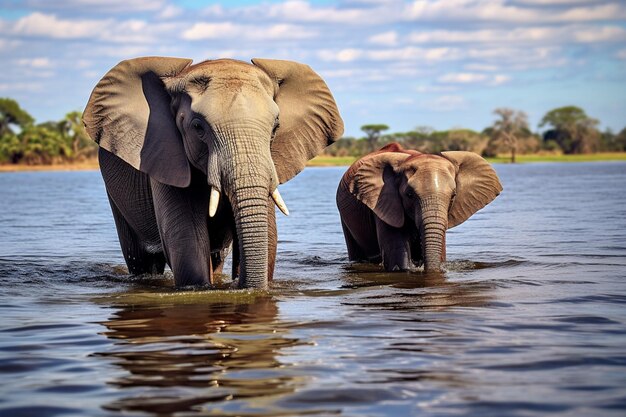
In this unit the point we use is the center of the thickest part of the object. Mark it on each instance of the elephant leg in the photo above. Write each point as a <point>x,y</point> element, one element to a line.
<point>272,238</point>
<point>394,246</point>
<point>416,248</point>
<point>359,227</point>
<point>181,215</point>
<point>130,198</point>
<point>355,252</point>
<point>139,259</point>
<point>359,230</point>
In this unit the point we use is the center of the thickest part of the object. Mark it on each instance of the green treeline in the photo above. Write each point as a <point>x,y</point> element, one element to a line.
<point>22,141</point>
<point>568,130</point>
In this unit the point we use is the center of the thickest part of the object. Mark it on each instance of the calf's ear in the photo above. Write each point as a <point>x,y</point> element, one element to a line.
<point>477,184</point>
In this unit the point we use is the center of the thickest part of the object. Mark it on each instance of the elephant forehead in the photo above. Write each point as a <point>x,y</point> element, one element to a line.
<point>430,171</point>
<point>230,74</point>
<point>428,163</point>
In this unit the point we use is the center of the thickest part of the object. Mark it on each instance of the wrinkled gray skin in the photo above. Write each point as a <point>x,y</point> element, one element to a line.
<point>170,132</point>
<point>397,204</point>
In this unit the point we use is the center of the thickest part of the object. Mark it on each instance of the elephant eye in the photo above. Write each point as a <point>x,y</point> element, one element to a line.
<point>276,126</point>
<point>452,197</point>
<point>197,126</point>
<point>410,193</point>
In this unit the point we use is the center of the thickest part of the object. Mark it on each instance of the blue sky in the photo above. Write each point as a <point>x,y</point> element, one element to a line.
<point>437,63</point>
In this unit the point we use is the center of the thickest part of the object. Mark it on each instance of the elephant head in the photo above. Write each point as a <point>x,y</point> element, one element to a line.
<point>247,127</point>
<point>424,194</point>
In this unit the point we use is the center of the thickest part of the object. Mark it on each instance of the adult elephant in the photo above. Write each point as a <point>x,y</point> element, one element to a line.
<point>396,204</point>
<point>177,138</point>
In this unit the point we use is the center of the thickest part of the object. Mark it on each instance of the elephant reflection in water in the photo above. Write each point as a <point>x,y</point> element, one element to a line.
<point>403,293</point>
<point>181,356</point>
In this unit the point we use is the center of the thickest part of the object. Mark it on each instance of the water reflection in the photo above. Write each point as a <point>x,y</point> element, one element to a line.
<point>180,352</point>
<point>415,290</point>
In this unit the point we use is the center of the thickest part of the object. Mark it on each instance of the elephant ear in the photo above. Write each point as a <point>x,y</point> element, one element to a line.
<point>374,184</point>
<point>129,115</point>
<point>309,118</point>
<point>477,184</point>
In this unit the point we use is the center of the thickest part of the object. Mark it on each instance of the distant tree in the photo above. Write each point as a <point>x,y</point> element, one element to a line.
<point>419,139</point>
<point>42,145</point>
<point>11,114</point>
<point>10,148</point>
<point>620,140</point>
<point>464,140</point>
<point>510,126</point>
<point>572,129</point>
<point>373,133</point>
<point>73,130</point>
<point>611,142</point>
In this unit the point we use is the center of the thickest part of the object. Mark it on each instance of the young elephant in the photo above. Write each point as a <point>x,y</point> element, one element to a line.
<point>396,204</point>
<point>192,155</point>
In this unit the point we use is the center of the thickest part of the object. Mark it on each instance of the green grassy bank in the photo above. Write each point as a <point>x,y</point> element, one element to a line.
<point>324,160</point>
<point>329,161</point>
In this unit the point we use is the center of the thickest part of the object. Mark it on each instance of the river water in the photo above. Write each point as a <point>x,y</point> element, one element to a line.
<point>528,320</point>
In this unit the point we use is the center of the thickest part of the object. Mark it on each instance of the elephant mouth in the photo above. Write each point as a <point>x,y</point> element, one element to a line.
<point>215,196</point>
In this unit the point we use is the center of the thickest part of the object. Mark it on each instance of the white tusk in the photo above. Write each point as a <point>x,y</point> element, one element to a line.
<point>279,202</point>
<point>214,199</point>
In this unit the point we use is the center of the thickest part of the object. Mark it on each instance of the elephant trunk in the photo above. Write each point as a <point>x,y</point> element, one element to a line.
<point>252,233</point>
<point>248,178</point>
<point>433,222</point>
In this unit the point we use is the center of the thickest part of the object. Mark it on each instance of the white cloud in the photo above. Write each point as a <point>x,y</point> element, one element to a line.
<point>41,62</point>
<point>83,63</point>
<point>500,11</point>
<point>169,12</point>
<point>215,10</point>
<point>518,58</point>
<point>303,11</point>
<point>210,30</point>
<point>446,103</point>
<point>229,30</point>
<point>473,78</point>
<point>411,53</point>
<point>500,79</point>
<point>542,35</point>
<point>394,54</point>
<point>50,26</point>
<point>39,24</point>
<point>602,12</point>
<point>556,2</point>
<point>20,87</point>
<point>343,55</point>
<point>108,6</point>
<point>118,51</point>
<point>435,88</point>
<point>339,73</point>
<point>602,34</point>
<point>462,78</point>
<point>482,67</point>
<point>386,38</point>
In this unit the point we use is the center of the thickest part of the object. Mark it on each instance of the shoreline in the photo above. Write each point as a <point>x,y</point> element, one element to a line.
<point>333,161</point>
<point>89,165</point>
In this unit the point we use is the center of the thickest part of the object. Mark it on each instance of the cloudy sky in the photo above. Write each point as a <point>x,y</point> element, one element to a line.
<point>437,63</point>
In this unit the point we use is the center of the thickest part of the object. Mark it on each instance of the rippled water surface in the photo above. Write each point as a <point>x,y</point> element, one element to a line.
<point>528,320</point>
